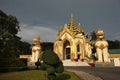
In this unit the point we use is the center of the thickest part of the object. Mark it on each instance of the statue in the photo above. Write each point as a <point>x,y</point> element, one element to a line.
<point>101,46</point>
<point>36,50</point>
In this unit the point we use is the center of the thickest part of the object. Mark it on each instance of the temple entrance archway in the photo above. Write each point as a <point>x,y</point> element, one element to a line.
<point>66,50</point>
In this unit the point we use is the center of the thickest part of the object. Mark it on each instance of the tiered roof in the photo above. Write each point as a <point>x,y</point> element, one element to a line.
<point>71,28</point>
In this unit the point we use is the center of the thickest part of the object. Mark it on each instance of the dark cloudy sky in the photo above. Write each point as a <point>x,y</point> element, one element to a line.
<point>44,17</point>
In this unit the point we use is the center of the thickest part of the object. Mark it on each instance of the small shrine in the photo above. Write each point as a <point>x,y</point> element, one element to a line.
<point>72,43</point>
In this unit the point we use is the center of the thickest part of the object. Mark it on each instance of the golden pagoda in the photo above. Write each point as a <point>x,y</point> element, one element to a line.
<point>71,42</point>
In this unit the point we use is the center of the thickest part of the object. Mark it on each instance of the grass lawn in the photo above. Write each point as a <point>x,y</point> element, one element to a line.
<point>36,75</point>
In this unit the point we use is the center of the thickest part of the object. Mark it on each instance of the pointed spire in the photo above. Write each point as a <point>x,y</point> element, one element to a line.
<point>72,22</point>
<point>60,29</point>
<point>71,16</point>
<point>80,28</point>
<point>65,26</point>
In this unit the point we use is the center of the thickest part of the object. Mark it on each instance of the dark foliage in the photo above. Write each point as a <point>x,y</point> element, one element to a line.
<point>93,35</point>
<point>25,48</point>
<point>52,64</point>
<point>114,44</point>
<point>38,63</point>
<point>47,46</point>
<point>60,68</point>
<point>50,57</point>
<point>11,64</point>
<point>10,44</point>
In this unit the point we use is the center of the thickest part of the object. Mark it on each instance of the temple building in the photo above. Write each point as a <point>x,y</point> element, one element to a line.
<point>74,48</point>
<point>72,43</point>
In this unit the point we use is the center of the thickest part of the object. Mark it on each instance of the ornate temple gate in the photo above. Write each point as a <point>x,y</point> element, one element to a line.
<point>71,42</point>
<point>66,50</point>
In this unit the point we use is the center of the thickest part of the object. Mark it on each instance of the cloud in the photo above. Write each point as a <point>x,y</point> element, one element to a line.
<point>29,32</point>
<point>43,17</point>
<point>117,36</point>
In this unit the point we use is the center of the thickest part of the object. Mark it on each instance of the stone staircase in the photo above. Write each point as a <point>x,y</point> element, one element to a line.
<point>74,63</point>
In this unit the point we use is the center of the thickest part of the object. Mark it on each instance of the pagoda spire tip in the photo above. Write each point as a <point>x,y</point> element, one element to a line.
<point>71,15</point>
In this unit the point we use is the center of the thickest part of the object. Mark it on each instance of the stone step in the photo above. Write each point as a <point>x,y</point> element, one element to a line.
<point>65,63</point>
<point>74,63</point>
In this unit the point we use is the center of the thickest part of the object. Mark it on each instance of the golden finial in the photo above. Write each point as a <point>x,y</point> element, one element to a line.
<point>71,23</point>
<point>80,28</point>
<point>71,16</point>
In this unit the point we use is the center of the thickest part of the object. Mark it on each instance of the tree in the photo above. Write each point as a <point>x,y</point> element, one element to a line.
<point>114,44</point>
<point>9,27</point>
<point>47,46</point>
<point>25,48</point>
<point>10,44</point>
<point>52,64</point>
<point>94,37</point>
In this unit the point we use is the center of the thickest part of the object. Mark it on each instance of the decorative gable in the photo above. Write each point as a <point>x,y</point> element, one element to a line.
<point>71,29</point>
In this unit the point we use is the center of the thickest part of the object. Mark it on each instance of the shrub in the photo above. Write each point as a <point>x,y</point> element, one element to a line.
<point>60,68</point>
<point>50,57</point>
<point>52,64</point>
<point>11,64</point>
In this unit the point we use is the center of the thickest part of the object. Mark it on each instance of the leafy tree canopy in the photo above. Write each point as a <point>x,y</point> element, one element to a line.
<point>9,41</point>
<point>10,44</point>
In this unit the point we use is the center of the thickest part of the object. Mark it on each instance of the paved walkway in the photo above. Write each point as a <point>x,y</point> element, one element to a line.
<point>92,73</point>
<point>85,76</point>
